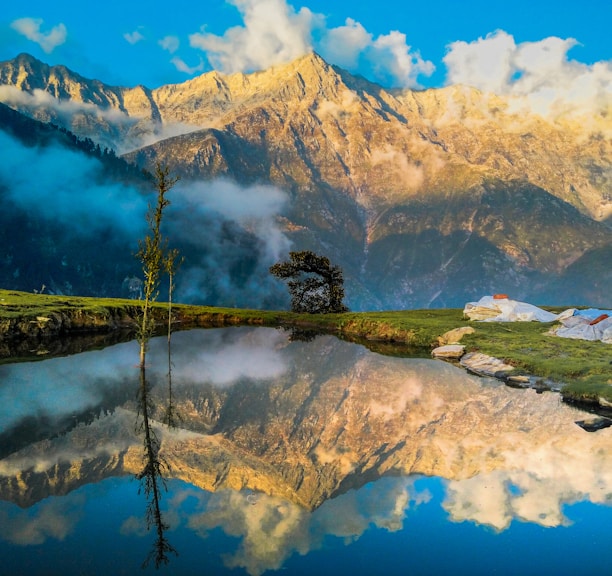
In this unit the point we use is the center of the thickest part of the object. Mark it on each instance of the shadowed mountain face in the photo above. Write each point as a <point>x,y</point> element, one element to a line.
<point>304,422</point>
<point>423,198</point>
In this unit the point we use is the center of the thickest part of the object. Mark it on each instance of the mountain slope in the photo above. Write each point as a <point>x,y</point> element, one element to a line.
<point>424,198</point>
<point>361,138</point>
<point>44,244</point>
<point>89,108</point>
<point>316,123</point>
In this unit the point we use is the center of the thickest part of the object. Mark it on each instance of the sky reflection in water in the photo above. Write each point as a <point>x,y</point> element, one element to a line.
<point>515,486</point>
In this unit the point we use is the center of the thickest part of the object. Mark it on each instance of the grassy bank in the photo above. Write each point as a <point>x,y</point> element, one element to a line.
<point>584,367</point>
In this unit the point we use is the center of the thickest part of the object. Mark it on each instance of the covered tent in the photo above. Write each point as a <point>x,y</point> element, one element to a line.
<point>500,308</point>
<point>592,324</point>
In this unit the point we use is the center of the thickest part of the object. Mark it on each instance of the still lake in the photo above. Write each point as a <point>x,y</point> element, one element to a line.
<point>296,457</point>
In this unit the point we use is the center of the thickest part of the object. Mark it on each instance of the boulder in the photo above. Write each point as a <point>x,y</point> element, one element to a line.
<point>453,336</point>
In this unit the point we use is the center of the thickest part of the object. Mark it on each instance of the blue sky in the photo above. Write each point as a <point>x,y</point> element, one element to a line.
<point>505,47</point>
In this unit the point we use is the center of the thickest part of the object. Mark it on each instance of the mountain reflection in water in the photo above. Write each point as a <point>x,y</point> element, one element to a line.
<point>280,445</point>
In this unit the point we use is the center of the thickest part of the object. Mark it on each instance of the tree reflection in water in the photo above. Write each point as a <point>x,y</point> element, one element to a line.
<point>152,480</point>
<point>171,416</point>
<point>297,334</point>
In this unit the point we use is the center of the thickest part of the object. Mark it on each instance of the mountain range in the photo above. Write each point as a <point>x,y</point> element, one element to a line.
<point>424,198</point>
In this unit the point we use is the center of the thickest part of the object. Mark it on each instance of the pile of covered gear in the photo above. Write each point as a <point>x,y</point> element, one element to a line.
<point>591,324</point>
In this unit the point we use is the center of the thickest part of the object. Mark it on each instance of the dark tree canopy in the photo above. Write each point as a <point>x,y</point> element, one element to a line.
<point>316,287</point>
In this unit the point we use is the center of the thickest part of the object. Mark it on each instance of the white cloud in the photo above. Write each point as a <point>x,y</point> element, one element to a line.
<point>484,64</point>
<point>181,66</point>
<point>411,175</point>
<point>343,45</point>
<point>389,58</point>
<point>66,109</point>
<point>272,529</point>
<point>133,37</point>
<point>170,43</point>
<point>30,28</point>
<point>54,519</point>
<point>70,113</point>
<point>275,33</point>
<point>259,201</point>
<point>537,75</point>
<point>393,60</point>
<point>218,358</point>
<point>64,391</point>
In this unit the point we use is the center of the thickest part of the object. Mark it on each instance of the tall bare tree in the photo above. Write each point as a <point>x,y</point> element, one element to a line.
<point>151,253</point>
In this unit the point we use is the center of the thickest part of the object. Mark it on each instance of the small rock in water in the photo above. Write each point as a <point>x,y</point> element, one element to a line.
<point>519,381</point>
<point>594,424</point>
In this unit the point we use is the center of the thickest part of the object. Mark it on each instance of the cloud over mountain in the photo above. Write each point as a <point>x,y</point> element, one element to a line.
<point>389,57</point>
<point>68,188</point>
<point>540,75</point>
<point>275,33</point>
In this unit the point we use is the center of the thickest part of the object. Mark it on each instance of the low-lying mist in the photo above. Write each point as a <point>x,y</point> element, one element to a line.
<point>71,228</point>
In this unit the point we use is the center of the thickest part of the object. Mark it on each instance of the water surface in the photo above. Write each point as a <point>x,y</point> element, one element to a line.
<point>304,457</point>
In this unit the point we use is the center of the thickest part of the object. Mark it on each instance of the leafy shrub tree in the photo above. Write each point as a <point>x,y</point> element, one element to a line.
<point>316,287</point>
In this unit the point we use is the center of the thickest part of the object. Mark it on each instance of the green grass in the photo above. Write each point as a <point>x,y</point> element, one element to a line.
<point>25,305</point>
<point>583,367</point>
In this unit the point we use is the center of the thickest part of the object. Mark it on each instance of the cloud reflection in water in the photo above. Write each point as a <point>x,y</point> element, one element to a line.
<point>301,439</point>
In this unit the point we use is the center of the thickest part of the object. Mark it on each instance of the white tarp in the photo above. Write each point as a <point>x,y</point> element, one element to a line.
<point>574,323</point>
<point>491,309</point>
<point>580,326</point>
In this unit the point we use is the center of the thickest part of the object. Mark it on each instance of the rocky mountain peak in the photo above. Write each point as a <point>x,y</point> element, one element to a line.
<point>24,72</point>
<point>27,73</point>
<point>203,101</point>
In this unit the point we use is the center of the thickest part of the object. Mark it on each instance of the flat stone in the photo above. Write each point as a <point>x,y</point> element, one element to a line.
<point>485,365</point>
<point>452,351</point>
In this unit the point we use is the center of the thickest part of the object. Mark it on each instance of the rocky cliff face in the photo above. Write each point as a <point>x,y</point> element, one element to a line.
<point>424,198</point>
